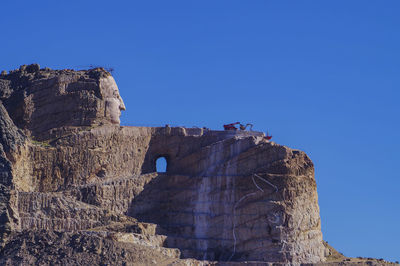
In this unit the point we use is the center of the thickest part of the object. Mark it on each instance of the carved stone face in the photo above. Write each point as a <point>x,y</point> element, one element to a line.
<point>113,101</point>
<point>52,99</point>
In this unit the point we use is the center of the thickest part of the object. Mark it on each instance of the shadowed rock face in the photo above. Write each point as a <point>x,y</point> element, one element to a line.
<point>68,167</point>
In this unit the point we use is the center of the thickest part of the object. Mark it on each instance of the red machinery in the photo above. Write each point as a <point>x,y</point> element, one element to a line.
<point>231,126</point>
<point>243,127</point>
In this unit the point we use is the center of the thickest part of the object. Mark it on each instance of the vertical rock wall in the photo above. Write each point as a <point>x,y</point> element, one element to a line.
<point>229,212</point>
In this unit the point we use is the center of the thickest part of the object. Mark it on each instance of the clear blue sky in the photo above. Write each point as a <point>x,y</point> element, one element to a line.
<point>321,76</point>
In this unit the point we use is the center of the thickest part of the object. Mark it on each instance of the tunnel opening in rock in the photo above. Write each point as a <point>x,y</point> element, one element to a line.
<point>161,164</point>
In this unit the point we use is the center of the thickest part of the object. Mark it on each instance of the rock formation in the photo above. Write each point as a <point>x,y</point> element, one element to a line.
<point>78,188</point>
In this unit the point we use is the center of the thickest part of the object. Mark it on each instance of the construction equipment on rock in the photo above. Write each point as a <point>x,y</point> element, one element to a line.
<point>243,127</point>
<point>231,126</point>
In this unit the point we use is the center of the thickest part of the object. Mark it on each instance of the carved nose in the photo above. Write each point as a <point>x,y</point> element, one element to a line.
<point>122,106</point>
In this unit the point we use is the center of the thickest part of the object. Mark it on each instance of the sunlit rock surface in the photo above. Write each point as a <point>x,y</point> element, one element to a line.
<point>77,188</point>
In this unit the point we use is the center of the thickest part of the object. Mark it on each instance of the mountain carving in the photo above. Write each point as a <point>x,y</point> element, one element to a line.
<point>78,188</point>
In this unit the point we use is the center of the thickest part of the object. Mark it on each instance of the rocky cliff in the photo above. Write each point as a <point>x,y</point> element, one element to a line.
<point>77,188</point>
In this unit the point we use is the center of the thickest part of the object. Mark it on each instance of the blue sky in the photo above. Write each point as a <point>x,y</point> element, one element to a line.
<point>321,76</point>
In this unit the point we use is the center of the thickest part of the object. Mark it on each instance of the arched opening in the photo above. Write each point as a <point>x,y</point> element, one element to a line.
<point>161,164</point>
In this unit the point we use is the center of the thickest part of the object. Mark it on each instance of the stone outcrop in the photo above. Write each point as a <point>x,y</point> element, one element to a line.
<point>76,187</point>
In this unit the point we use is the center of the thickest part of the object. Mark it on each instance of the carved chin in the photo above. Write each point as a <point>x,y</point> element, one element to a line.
<point>113,111</point>
<point>115,120</point>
